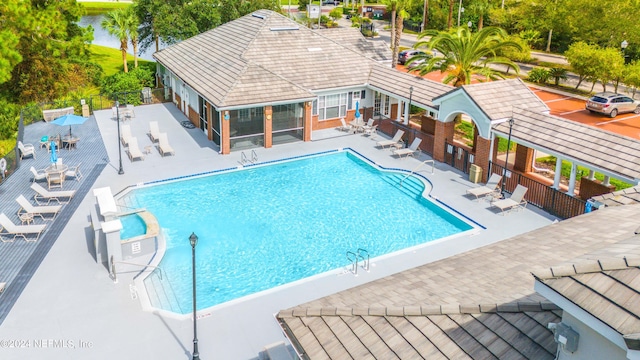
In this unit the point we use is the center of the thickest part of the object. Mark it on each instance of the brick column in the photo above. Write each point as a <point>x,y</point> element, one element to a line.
<point>443,132</point>
<point>524,159</point>
<point>268,126</point>
<point>482,157</point>
<point>226,146</point>
<point>307,121</point>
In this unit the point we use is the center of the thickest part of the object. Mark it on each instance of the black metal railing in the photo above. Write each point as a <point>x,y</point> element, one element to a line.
<point>541,195</point>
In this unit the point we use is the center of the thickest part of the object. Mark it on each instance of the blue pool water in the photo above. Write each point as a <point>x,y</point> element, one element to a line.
<point>132,225</point>
<point>267,226</point>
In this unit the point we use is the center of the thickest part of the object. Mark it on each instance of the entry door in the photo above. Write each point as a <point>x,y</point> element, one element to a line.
<point>185,100</point>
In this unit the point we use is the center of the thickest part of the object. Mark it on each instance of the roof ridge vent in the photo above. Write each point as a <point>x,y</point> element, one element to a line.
<point>259,16</point>
<point>284,28</point>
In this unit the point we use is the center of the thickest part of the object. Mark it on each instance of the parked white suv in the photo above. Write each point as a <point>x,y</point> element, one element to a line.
<point>612,104</point>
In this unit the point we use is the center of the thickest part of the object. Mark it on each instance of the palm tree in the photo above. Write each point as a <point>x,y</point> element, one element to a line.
<point>558,74</point>
<point>132,29</point>
<point>462,53</point>
<point>481,8</point>
<point>398,13</point>
<point>117,24</point>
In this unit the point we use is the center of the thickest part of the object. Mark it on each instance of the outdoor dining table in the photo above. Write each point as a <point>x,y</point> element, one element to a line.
<point>70,142</point>
<point>358,126</point>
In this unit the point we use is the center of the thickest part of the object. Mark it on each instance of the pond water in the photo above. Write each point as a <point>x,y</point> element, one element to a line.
<point>102,37</point>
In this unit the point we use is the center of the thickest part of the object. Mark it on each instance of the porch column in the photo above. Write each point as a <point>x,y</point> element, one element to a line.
<point>592,175</point>
<point>556,178</point>
<point>307,120</point>
<point>226,146</point>
<point>524,159</point>
<point>606,181</point>
<point>482,155</point>
<point>572,179</point>
<point>443,132</point>
<point>268,126</point>
<point>406,113</point>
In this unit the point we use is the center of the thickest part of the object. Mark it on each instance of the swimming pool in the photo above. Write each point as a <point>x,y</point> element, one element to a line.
<point>266,226</point>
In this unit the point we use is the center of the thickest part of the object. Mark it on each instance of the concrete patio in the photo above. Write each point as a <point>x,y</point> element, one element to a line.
<point>61,304</point>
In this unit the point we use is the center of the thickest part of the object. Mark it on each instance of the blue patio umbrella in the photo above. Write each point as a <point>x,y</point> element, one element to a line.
<point>54,156</point>
<point>69,119</point>
<point>357,110</point>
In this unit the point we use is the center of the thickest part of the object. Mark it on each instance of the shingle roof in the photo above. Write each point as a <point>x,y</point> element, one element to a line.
<point>608,290</point>
<point>265,57</point>
<point>398,83</point>
<point>424,332</point>
<point>627,196</point>
<point>587,144</point>
<point>499,98</point>
<point>499,273</point>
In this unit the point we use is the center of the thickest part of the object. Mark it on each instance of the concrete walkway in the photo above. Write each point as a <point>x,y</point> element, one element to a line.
<point>71,309</point>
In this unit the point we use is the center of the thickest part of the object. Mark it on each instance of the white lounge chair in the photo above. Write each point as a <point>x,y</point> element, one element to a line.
<point>74,172</point>
<point>8,227</point>
<point>396,138</point>
<point>27,208</point>
<point>26,150</point>
<point>515,202</point>
<point>134,150</point>
<point>154,131</point>
<point>125,134</point>
<point>163,145</point>
<point>489,189</point>
<point>43,194</point>
<point>38,174</point>
<point>345,126</point>
<point>410,151</point>
<point>372,131</point>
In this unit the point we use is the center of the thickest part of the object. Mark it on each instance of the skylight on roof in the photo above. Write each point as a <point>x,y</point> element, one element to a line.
<point>314,49</point>
<point>284,28</point>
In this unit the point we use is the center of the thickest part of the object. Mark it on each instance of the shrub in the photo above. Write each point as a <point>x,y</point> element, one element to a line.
<point>539,75</point>
<point>130,83</point>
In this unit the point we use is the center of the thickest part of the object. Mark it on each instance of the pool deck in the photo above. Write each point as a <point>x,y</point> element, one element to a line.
<point>70,307</point>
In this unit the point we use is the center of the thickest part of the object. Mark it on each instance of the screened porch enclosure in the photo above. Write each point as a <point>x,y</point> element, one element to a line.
<point>287,123</point>
<point>246,128</point>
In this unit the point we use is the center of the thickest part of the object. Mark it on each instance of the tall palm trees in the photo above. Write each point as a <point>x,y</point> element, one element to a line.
<point>461,53</point>
<point>123,24</point>
<point>398,13</point>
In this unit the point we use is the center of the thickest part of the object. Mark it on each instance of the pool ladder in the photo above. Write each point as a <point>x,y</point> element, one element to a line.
<point>354,258</point>
<point>245,160</point>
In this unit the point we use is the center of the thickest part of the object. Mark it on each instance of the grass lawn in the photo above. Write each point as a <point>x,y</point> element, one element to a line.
<point>111,59</point>
<point>96,8</point>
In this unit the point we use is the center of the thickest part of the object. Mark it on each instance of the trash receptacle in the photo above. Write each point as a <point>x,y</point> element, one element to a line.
<point>475,173</point>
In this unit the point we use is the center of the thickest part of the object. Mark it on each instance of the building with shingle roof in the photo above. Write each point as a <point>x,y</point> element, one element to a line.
<point>601,307</point>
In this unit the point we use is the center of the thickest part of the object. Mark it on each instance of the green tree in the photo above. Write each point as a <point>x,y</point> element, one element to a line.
<point>398,13</point>
<point>117,23</point>
<point>610,67</point>
<point>631,75</point>
<point>336,13</point>
<point>464,53</point>
<point>127,86</point>
<point>50,44</point>
<point>481,8</point>
<point>132,30</point>
<point>582,58</point>
<point>538,75</point>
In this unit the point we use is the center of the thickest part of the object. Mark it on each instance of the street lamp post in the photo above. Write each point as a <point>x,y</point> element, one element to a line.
<point>193,239</point>
<point>409,110</point>
<point>506,160</point>
<point>623,46</point>
<point>120,170</point>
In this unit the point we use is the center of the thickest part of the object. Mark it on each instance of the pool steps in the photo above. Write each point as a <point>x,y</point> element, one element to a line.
<point>354,258</point>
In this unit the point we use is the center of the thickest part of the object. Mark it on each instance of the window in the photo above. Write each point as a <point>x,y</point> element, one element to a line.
<point>332,106</point>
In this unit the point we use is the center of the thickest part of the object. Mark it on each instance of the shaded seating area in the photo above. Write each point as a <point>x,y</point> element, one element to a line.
<point>489,189</point>
<point>513,203</point>
<point>410,151</point>
<point>11,229</point>
<point>27,208</point>
<point>43,194</point>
